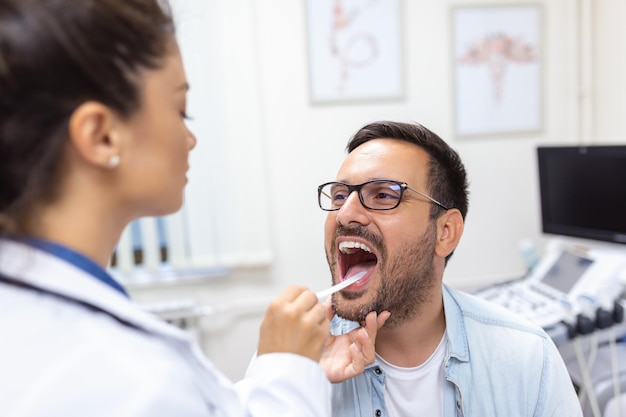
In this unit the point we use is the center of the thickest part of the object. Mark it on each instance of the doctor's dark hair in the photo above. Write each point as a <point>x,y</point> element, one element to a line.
<point>54,56</point>
<point>447,178</point>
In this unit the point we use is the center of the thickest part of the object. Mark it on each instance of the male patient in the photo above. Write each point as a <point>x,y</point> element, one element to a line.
<point>396,210</point>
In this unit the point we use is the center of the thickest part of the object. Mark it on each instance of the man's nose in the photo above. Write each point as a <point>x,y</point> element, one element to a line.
<point>352,211</point>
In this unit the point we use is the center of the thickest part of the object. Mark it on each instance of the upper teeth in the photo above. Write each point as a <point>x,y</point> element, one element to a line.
<point>346,246</point>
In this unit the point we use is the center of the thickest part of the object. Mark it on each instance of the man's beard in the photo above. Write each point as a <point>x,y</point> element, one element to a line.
<point>406,283</point>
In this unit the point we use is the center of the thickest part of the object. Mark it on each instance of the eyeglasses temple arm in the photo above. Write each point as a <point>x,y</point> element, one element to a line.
<point>428,197</point>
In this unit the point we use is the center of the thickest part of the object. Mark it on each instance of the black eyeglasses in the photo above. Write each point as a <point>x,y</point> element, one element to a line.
<point>374,195</point>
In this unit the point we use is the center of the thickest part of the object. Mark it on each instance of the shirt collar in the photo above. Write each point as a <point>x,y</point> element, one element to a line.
<point>78,260</point>
<point>455,326</point>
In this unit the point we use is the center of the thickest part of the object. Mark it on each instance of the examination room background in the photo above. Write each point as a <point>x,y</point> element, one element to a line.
<point>257,50</point>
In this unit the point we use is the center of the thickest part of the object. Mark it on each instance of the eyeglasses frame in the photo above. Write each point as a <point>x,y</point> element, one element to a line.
<point>357,187</point>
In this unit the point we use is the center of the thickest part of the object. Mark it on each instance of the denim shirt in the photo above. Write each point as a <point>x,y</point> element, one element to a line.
<point>497,364</point>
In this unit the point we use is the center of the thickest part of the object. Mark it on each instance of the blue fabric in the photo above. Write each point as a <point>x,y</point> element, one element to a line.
<point>78,260</point>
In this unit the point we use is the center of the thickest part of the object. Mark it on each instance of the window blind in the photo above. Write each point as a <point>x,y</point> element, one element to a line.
<point>224,222</point>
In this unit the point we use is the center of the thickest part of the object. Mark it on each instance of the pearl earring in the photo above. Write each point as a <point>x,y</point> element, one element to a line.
<point>114,161</point>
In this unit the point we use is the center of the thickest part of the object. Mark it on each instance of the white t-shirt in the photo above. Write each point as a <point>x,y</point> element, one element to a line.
<point>416,391</point>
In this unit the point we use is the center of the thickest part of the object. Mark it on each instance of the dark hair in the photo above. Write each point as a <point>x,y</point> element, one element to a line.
<point>447,178</point>
<point>54,56</point>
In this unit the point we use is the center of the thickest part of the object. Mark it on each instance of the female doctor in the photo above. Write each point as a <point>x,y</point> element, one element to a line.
<point>93,136</point>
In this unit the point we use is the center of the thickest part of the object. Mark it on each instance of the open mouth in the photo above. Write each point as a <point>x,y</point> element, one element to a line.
<point>353,257</point>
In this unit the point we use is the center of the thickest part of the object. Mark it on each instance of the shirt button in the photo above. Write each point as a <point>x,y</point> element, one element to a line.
<point>458,404</point>
<point>378,371</point>
<point>379,413</point>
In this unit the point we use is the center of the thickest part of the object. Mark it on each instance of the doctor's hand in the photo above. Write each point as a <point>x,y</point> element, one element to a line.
<point>346,356</point>
<point>295,322</point>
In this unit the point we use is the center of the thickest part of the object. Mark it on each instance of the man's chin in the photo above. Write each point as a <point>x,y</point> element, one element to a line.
<point>353,313</point>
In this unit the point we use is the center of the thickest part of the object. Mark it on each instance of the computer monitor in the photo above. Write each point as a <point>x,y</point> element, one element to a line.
<point>583,191</point>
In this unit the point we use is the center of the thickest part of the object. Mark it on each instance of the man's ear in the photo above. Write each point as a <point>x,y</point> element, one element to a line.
<point>91,132</point>
<point>449,230</point>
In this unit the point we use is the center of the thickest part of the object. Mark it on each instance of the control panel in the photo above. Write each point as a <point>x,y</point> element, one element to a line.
<point>572,285</point>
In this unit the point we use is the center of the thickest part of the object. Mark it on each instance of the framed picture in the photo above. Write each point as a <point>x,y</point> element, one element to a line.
<point>355,50</point>
<point>497,69</point>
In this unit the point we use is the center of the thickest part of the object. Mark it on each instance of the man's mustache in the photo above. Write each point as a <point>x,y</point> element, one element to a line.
<point>362,232</point>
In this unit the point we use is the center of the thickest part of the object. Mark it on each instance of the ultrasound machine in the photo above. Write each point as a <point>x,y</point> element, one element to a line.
<point>574,288</point>
<point>576,291</point>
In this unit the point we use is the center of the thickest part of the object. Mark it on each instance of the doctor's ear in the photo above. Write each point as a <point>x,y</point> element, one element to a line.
<point>92,134</point>
<point>449,230</point>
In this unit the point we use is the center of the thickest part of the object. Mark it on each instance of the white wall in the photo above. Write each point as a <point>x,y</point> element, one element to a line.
<point>304,146</point>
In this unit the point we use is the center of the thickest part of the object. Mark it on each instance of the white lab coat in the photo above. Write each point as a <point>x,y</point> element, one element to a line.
<point>71,345</point>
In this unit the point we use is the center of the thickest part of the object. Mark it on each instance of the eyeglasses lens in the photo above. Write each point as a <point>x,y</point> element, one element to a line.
<point>375,195</point>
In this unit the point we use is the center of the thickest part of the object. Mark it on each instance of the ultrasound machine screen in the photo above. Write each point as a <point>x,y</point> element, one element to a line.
<point>583,192</point>
<point>566,271</point>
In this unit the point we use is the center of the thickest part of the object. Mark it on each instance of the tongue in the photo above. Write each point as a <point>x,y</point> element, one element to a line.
<point>362,267</point>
